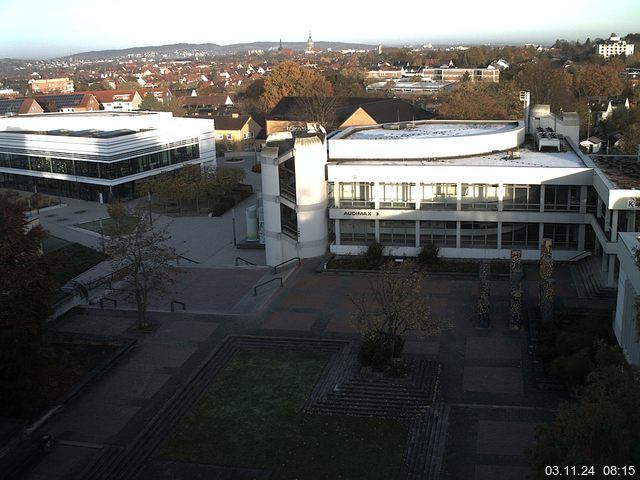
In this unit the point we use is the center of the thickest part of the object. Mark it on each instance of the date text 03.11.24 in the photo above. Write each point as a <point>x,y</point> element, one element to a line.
<point>607,471</point>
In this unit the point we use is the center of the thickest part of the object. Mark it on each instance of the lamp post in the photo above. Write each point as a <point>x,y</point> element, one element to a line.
<point>150,216</point>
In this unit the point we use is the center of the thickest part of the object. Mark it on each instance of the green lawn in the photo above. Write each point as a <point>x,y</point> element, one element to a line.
<point>251,416</point>
<point>74,258</point>
<point>108,225</point>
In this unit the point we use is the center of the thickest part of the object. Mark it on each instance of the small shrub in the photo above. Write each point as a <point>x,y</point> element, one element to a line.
<point>608,355</point>
<point>568,343</point>
<point>573,369</point>
<point>374,254</point>
<point>429,254</point>
<point>379,351</point>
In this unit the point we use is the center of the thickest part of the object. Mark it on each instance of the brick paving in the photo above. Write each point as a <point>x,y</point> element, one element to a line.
<point>485,380</point>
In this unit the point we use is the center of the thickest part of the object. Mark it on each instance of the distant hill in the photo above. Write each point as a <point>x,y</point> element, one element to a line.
<point>183,49</point>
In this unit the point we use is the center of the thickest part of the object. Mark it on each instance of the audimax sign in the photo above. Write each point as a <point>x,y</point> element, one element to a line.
<point>360,214</point>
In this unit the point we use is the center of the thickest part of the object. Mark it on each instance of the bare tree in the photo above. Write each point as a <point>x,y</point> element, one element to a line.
<point>394,304</point>
<point>319,109</point>
<point>141,260</point>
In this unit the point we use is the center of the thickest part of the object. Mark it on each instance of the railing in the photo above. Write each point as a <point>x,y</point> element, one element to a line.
<point>275,269</point>
<point>107,299</point>
<point>580,256</point>
<point>178,257</point>
<point>243,260</point>
<point>345,203</point>
<point>255,289</point>
<point>176,302</point>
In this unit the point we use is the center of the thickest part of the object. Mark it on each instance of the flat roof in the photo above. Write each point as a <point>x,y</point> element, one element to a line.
<point>525,157</point>
<point>406,130</point>
<point>622,171</point>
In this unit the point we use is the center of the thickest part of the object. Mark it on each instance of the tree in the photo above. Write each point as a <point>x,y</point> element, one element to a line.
<point>141,260</point>
<point>598,80</point>
<point>349,82</point>
<point>27,286</point>
<point>601,428</point>
<point>393,304</point>
<point>481,101</point>
<point>548,84</point>
<point>290,79</point>
<point>150,102</point>
<point>320,110</point>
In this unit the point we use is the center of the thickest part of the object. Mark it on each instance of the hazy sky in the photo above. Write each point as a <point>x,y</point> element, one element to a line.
<point>46,28</point>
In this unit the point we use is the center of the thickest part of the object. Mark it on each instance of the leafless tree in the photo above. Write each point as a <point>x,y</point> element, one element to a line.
<point>141,260</point>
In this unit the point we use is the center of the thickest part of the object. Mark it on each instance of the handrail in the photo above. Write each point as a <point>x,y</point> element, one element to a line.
<point>182,304</point>
<point>580,256</point>
<point>178,257</point>
<point>255,289</point>
<point>275,269</point>
<point>107,299</point>
<point>244,260</point>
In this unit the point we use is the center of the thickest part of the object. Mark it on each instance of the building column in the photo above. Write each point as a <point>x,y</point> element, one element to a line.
<point>376,192</point>
<point>499,243</point>
<point>614,225</point>
<point>541,205</point>
<point>582,231</point>
<point>583,199</point>
<point>500,201</point>
<point>458,202</point>
<point>540,235</point>
<point>336,230</point>
<point>418,233</point>
<point>603,264</point>
<point>458,229</point>
<point>377,230</point>
<point>612,271</point>
<point>631,221</point>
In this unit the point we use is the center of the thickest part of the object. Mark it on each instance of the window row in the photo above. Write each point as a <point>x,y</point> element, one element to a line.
<point>443,196</point>
<point>107,171</point>
<point>444,234</point>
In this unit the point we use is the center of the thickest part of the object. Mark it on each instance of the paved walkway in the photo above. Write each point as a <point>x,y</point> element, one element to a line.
<point>486,373</point>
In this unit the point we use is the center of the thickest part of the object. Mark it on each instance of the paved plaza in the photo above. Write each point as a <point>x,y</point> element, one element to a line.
<point>485,378</point>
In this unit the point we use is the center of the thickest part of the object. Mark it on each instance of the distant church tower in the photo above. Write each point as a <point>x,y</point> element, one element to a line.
<point>280,47</point>
<point>309,42</point>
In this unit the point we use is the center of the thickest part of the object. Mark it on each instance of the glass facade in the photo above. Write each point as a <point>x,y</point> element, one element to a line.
<point>520,235</point>
<point>438,196</point>
<point>478,235</point>
<point>397,195</point>
<point>521,197</point>
<point>398,232</point>
<point>479,197</point>
<point>357,232</point>
<point>562,198</point>
<point>356,194</point>
<point>102,170</point>
<point>564,236</point>
<point>442,234</point>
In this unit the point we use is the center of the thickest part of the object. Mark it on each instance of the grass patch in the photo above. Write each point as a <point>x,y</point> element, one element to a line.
<point>108,225</point>
<point>443,265</point>
<point>74,260</point>
<point>251,416</point>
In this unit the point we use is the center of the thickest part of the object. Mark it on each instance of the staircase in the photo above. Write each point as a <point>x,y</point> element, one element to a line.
<point>590,281</point>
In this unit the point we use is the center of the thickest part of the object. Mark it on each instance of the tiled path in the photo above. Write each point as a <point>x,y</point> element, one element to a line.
<point>485,377</point>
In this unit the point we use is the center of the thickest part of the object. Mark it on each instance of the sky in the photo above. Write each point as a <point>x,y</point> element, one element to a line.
<point>45,28</point>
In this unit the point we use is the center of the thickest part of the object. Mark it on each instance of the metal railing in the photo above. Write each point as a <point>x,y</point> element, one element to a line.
<point>107,299</point>
<point>243,260</point>
<point>255,289</point>
<point>580,256</point>
<point>178,257</point>
<point>275,269</point>
<point>176,302</point>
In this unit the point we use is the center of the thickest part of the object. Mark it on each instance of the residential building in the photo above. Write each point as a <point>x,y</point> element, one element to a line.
<point>410,88</point>
<point>236,133</point>
<point>19,106</point>
<point>52,85</point>
<point>443,73</point>
<point>117,100</point>
<point>293,113</point>
<point>69,102</point>
<point>205,105</point>
<point>98,155</point>
<point>614,47</point>
<point>163,95</point>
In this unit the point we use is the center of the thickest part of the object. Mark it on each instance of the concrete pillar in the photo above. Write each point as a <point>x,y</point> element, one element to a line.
<point>614,225</point>
<point>542,200</point>
<point>583,199</point>
<point>612,271</point>
<point>458,200</point>
<point>631,222</point>
<point>458,229</point>
<point>336,229</point>
<point>582,231</point>
<point>500,201</point>
<point>499,235</point>
<point>418,233</point>
<point>540,235</point>
<point>376,193</point>
<point>377,230</point>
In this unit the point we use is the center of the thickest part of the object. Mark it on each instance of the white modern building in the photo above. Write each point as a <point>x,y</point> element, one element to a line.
<point>614,47</point>
<point>99,154</point>
<point>626,324</point>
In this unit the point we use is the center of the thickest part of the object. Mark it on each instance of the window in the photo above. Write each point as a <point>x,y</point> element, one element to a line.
<point>220,136</point>
<point>479,197</point>
<point>442,234</point>
<point>398,232</point>
<point>562,198</point>
<point>357,232</point>
<point>478,235</point>
<point>289,221</point>
<point>397,195</point>
<point>521,197</point>
<point>520,235</point>
<point>438,196</point>
<point>229,137</point>
<point>564,236</point>
<point>356,194</point>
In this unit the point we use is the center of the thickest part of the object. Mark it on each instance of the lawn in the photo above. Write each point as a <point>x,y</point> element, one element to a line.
<point>74,258</point>
<point>107,225</point>
<point>251,416</point>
